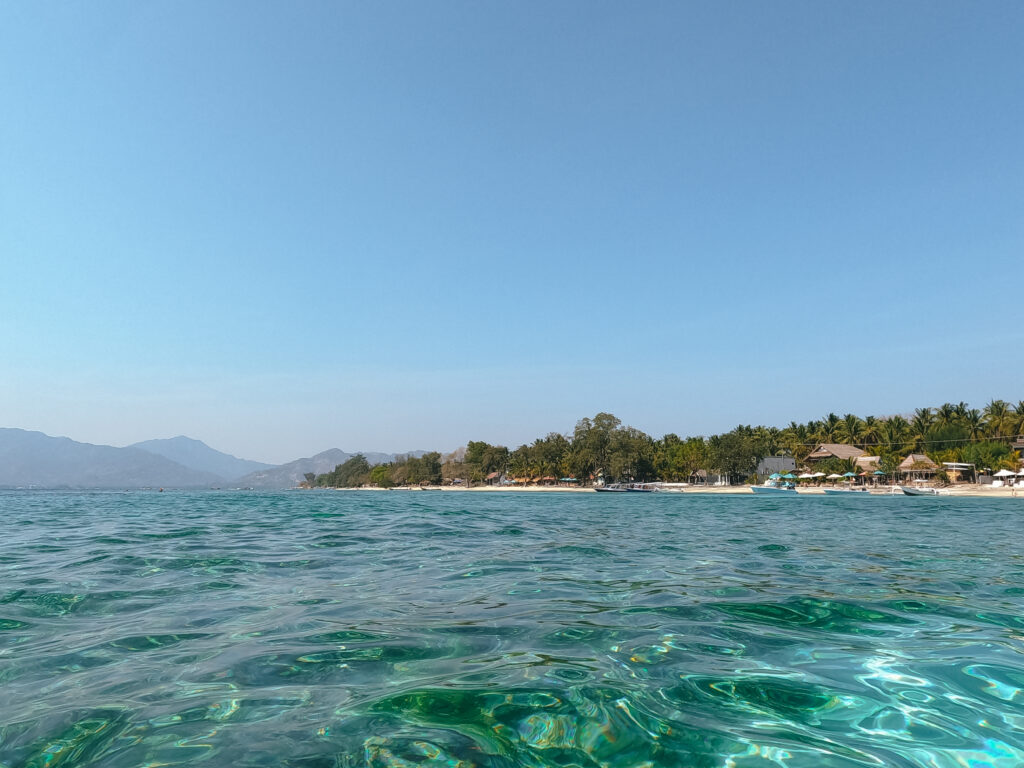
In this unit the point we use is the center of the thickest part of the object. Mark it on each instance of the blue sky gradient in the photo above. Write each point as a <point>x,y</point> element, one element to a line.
<point>383,226</point>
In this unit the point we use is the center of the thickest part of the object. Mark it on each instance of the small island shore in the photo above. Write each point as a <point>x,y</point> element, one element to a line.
<point>964,489</point>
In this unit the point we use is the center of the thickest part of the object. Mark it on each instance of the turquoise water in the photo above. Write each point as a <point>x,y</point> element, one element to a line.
<point>328,629</point>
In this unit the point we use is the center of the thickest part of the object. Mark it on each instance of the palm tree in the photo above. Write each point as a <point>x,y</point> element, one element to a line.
<point>794,439</point>
<point>974,423</point>
<point>923,419</point>
<point>871,427</point>
<point>851,429</point>
<point>997,418</point>
<point>921,422</point>
<point>768,437</point>
<point>895,434</point>
<point>829,428</point>
<point>1018,411</point>
<point>945,414</point>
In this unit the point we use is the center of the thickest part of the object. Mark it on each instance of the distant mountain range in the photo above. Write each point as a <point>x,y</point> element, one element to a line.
<point>291,474</point>
<point>34,460</point>
<point>197,455</point>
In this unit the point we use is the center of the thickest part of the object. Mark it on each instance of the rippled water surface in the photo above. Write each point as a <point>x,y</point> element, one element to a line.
<point>324,629</point>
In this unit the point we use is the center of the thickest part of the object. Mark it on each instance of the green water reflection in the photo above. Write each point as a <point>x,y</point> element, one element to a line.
<point>329,630</point>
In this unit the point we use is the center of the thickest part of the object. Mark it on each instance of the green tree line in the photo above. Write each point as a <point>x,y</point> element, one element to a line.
<point>601,447</point>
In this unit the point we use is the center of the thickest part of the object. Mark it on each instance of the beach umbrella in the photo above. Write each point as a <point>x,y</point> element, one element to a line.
<point>878,472</point>
<point>818,474</point>
<point>833,476</point>
<point>1021,472</point>
<point>789,476</point>
<point>1004,473</point>
<point>774,476</point>
<point>849,474</point>
<point>805,476</point>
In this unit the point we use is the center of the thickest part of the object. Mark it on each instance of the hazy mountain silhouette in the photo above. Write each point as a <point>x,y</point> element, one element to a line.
<point>197,455</point>
<point>32,459</point>
<point>291,474</point>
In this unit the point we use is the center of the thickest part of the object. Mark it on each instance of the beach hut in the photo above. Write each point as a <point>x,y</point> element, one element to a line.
<point>834,451</point>
<point>1003,475</point>
<point>867,463</point>
<point>917,466</point>
<point>959,472</point>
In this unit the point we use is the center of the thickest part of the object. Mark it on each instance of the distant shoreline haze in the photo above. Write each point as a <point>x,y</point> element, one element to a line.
<point>31,459</point>
<point>600,446</point>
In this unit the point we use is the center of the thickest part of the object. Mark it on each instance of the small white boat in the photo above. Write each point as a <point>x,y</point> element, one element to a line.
<point>627,488</point>
<point>922,491</point>
<point>773,487</point>
<point>642,487</point>
<point>846,491</point>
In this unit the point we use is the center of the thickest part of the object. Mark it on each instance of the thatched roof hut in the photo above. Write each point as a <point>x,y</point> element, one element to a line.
<point>834,450</point>
<point>868,463</point>
<point>917,461</point>
<point>918,465</point>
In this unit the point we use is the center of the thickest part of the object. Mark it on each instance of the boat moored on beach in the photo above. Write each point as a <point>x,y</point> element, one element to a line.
<point>908,491</point>
<point>633,488</point>
<point>773,487</point>
<point>642,487</point>
<point>776,483</point>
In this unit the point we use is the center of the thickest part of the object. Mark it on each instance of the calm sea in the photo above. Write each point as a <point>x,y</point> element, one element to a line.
<point>329,629</point>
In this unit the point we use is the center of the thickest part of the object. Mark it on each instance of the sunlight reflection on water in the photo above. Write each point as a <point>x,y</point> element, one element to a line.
<point>400,629</point>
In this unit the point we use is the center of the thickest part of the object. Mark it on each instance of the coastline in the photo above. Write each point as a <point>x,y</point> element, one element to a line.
<point>982,491</point>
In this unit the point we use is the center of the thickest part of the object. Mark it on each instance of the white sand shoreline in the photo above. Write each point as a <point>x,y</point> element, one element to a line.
<point>982,491</point>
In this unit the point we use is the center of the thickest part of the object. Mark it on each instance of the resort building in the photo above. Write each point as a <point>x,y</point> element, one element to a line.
<point>960,473</point>
<point>867,463</point>
<point>703,477</point>
<point>769,465</point>
<point>834,451</point>
<point>917,466</point>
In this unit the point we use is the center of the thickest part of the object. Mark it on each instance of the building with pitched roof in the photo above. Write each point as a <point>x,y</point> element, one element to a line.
<point>917,465</point>
<point>867,463</point>
<point>834,451</point>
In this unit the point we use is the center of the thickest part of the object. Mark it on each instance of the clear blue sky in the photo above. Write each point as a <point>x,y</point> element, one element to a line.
<point>281,227</point>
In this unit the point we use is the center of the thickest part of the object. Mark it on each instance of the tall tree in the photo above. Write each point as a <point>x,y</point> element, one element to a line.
<point>851,430</point>
<point>998,418</point>
<point>945,414</point>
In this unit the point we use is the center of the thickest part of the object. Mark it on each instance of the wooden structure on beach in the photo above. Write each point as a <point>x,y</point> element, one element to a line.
<point>834,451</point>
<point>917,466</point>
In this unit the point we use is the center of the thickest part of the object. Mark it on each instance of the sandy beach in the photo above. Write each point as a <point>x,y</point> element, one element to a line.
<point>984,491</point>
